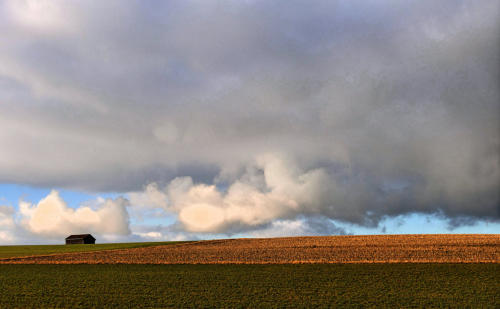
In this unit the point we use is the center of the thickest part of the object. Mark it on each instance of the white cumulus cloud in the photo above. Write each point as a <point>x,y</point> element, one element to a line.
<point>52,217</point>
<point>7,225</point>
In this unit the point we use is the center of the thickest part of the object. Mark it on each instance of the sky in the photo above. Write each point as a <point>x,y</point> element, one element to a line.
<point>173,120</point>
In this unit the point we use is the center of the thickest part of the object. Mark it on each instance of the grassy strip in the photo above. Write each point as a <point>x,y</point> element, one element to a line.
<point>18,251</point>
<point>257,286</point>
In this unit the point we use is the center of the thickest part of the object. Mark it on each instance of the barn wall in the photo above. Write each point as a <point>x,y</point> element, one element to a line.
<point>89,241</point>
<point>74,241</point>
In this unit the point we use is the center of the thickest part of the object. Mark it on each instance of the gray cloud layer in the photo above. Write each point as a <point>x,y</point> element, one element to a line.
<point>377,108</point>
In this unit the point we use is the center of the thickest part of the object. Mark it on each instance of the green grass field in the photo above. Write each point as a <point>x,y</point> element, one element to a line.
<point>273,286</point>
<point>17,251</point>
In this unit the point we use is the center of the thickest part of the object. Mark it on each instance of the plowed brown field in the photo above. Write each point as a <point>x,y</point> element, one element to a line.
<point>327,249</point>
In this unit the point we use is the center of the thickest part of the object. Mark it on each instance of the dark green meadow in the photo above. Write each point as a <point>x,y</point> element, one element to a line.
<point>273,286</point>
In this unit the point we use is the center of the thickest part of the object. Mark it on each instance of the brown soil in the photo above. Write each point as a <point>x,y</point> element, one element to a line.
<point>327,249</point>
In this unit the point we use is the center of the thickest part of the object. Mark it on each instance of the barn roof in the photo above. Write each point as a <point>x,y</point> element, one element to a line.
<point>79,236</point>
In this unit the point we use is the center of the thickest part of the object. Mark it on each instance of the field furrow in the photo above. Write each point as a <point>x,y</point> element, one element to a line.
<point>295,250</point>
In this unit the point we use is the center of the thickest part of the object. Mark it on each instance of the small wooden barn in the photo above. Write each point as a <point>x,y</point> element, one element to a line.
<point>80,239</point>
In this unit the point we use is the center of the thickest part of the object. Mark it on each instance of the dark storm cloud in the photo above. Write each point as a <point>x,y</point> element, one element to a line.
<point>391,106</point>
